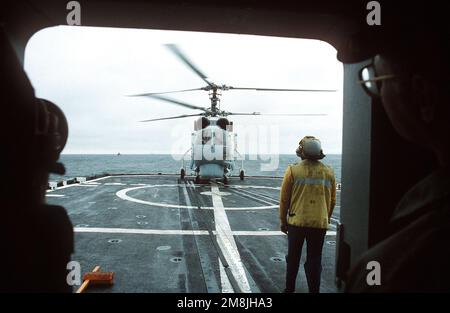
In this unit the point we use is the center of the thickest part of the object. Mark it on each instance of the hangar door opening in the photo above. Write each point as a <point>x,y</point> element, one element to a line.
<point>143,105</point>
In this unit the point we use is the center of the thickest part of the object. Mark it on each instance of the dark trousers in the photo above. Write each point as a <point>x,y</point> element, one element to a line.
<point>313,266</point>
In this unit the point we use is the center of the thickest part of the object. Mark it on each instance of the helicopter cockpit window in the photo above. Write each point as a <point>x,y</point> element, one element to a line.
<point>223,123</point>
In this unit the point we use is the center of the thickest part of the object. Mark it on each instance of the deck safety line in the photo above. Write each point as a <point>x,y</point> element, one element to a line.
<point>140,231</point>
<point>226,240</point>
<point>253,193</point>
<point>225,284</point>
<point>85,184</point>
<point>245,194</point>
<point>228,281</point>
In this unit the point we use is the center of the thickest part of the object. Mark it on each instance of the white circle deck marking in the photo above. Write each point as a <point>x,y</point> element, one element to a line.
<point>123,195</point>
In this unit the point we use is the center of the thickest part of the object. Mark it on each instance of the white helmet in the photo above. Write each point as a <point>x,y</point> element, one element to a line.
<point>310,148</point>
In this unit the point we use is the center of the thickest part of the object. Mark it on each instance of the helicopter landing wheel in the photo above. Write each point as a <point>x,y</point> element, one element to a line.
<point>182,173</point>
<point>197,179</point>
<point>241,175</point>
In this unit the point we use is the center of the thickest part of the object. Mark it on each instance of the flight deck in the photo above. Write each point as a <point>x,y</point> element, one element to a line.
<point>162,234</point>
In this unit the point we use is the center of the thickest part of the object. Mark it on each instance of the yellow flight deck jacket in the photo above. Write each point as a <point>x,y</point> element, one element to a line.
<point>308,194</point>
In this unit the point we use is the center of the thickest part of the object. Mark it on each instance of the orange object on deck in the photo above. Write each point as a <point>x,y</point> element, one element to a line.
<point>96,278</point>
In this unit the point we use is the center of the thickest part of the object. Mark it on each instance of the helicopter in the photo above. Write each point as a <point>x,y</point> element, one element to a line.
<point>213,142</point>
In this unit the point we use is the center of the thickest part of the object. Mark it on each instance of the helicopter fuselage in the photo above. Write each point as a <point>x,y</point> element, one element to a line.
<point>213,145</point>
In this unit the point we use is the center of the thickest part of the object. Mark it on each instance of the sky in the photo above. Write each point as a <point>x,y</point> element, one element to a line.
<point>89,72</point>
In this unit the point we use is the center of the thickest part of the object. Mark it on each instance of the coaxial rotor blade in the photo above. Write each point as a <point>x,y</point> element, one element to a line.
<point>172,117</point>
<point>280,89</point>
<point>163,92</point>
<point>184,104</point>
<point>302,114</point>
<point>175,50</point>
<point>253,113</point>
<point>269,114</point>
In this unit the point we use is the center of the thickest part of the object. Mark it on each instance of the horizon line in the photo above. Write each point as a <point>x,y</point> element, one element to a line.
<point>179,154</point>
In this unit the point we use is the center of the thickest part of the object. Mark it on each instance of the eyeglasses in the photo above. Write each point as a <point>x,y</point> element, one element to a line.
<point>369,80</point>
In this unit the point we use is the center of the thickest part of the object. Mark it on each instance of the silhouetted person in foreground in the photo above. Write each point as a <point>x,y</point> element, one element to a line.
<point>307,200</point>
<point>36,239</point>
<point>410,74</point>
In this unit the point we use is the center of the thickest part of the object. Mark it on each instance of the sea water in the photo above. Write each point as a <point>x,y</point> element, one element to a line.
<point>98,164</point>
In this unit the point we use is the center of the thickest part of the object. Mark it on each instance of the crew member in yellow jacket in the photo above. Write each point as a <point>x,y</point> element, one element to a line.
<point>307,199</point>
